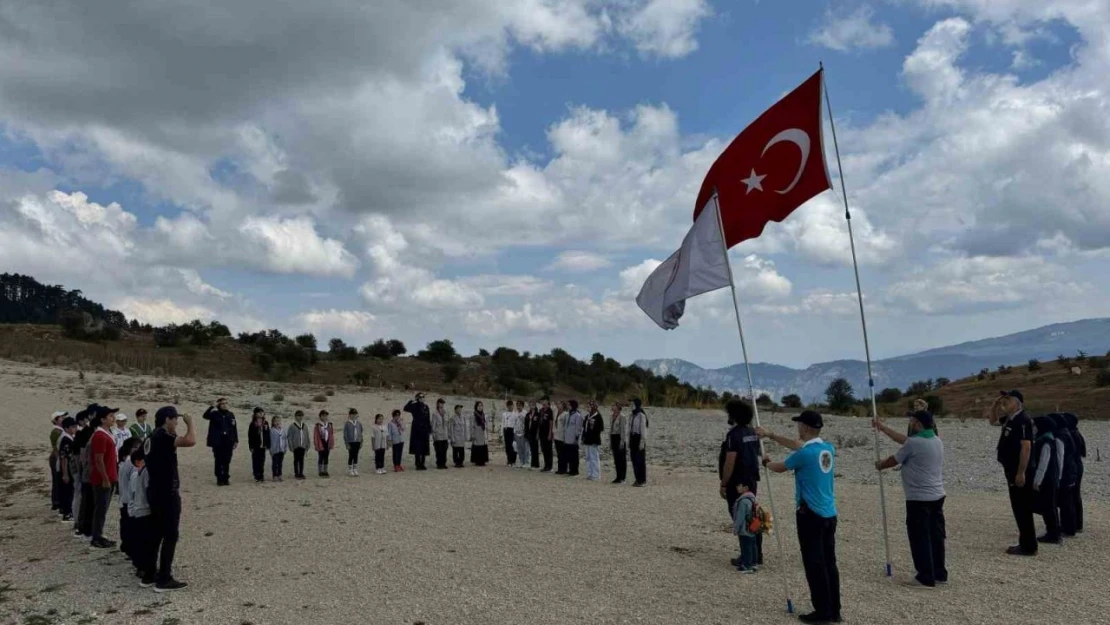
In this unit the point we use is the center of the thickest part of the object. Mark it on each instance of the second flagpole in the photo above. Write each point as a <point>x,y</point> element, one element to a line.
<point>863,321</point>
<point>751,394</point>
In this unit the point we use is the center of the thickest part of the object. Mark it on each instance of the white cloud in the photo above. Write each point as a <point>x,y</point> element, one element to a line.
<point>852,31</point>
<point>345,324</point>
<point>499,284</point>
<point>963,285</point>
<point>162,311</point>
<point>502,321</point>
<point>293,246</point>
<point>578,261</point>
<point>664,28</point>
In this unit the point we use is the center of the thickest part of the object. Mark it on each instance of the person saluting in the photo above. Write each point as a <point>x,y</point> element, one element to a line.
<point>223,438</point>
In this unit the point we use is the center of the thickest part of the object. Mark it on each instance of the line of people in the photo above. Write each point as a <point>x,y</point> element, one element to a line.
<point>529,431</point>
<point>88,468</point>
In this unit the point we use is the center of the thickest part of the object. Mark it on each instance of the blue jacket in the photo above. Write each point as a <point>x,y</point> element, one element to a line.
<point>222,431</point>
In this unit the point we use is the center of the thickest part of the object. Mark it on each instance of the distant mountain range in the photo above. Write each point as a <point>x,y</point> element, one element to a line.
<point>954,362</point>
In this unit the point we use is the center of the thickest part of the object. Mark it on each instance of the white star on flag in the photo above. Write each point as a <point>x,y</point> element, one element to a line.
<point>753,182</point>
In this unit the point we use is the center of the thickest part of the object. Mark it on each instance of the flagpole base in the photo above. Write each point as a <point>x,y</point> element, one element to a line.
<point>889,570</point>
<point>789,606</point>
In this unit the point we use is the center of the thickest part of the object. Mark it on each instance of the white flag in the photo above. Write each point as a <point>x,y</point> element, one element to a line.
<point>699,266</point>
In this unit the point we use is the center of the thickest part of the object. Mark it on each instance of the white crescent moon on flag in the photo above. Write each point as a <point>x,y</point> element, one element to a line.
<point>799,138</point>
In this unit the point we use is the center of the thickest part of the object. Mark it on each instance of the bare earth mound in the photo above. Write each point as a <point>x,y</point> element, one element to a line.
<point>492,545</point>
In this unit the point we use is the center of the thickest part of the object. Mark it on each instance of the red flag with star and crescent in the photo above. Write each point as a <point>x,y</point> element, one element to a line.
<point>772,167</point>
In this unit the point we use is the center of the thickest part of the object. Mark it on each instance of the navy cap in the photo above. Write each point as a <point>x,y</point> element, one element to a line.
<point>104,411</point>
<point>69,422</point>
<point>925,418</point>
<point>1016,394</point>
<point>164,413</point>
<point>810,418</point>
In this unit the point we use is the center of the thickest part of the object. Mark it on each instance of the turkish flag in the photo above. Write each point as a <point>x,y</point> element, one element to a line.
<point>772,167</point>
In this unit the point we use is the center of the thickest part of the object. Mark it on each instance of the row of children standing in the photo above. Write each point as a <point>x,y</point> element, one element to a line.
<point>538,429</point>
<point>89,467</point>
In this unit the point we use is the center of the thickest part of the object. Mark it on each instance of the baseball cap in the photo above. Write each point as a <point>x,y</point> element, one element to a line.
<point>59,413</point>
<point>925,418</point>
<point>164,413</point>
<point>104,411</point>
<point>810,418</point>
<point>1016,394</point>
<point>140,412</point>
<point>69,422</point>
<point>120,416</point>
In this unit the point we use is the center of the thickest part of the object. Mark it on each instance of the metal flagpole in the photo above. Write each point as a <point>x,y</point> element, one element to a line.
<point>751,394</point>
<point>863,321</point>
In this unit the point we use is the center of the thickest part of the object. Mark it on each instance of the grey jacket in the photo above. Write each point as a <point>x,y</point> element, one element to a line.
<point>439,426</point>
<point>573,433</point>
<point>279,441</point>
<point>477,434</point>
<point>395,434</point>
<point>458,430</point>
<point>352,432</point>
<point>138,506</point>
<point>298,436</point>
<point>379,437</point>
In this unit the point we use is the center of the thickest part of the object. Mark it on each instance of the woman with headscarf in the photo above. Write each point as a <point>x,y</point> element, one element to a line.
<point>479,444</point>
<point>1065,497</point>
<point>1080,454</point>
<point>1046,477</point>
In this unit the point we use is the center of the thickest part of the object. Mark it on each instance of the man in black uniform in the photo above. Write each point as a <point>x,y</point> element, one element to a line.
<point>420,430</point>
<point>223,438</point>
<point>547,428</point>
<point>164,494</point>
<point>738,462</point>
<point>1015,446</point>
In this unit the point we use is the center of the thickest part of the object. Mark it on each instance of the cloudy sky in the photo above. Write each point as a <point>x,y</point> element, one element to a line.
<point>507,172</point>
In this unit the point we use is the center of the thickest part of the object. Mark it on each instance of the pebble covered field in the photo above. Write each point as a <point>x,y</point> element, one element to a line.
<point>493,545</point>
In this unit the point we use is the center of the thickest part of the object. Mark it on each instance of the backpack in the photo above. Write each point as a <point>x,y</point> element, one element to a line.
<point>762,522</point>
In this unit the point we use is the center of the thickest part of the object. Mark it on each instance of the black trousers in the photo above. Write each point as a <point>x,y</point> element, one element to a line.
<point>1079,502</point>
<point>298,462</point>
<point>55,483</point>
<point>458,455</point>
<point>352,454</point>
<point>571,452</point>
<point>1046,506</point>
<point>398,453</point>
<point>817,538</point>
<point>142,536</point>
<point>65,497</point>
<point>1065,501</point>
<point>166,525</point>
<point>560,458</point>
<point>102,499</point>
<point>441,453</point>
<point>925,527</point>
<point>479,455</point>
<point>1021,503</point>
<point>222,456</point>
<point>510,450</point>
<point>276,462</point>
<point>322,460</point>
<point>125,533</point>
<point>639,463</point>
<point>85,513</point>
<point>545,448</point>
<point>258,463</point>
<point>620,458</point>
<point>534,447</point>
<point>379,458</point>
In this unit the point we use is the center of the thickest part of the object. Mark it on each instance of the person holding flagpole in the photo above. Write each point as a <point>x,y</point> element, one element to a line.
<point>813,463</point>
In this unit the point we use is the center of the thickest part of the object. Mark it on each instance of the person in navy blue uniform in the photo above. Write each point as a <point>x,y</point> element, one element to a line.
<point>164,496</point>
<point>1015,449</point>
<point>420,431</point>
<point>738,461</point>
<point>813,464</point>
<point>223,438</point>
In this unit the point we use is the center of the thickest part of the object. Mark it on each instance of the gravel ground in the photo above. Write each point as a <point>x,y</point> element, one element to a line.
<point>493,545</point>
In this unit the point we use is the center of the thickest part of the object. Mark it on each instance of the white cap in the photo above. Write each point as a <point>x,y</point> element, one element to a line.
<point>60,413</point>
<point>120,416</point>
